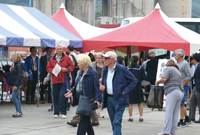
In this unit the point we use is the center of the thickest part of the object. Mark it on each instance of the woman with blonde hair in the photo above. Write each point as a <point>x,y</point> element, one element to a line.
<point>174,94</point>
<point>16,82</point>
<point>87,84</point>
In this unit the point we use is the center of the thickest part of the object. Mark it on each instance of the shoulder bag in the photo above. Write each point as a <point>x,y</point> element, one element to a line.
<point>85,105</point>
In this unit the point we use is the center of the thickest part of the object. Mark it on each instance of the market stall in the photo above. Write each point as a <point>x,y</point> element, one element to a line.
<point>26,26</point>
<point>153,31</point>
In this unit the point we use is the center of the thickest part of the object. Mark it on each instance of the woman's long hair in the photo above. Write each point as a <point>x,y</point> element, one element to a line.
<point>16,57</point>
<point>172,63</point>
<point>134,61</point>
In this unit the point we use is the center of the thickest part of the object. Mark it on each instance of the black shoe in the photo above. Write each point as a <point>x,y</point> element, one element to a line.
<point>72,124</point>
<point>95,124</point>
<point>193,120</point>
<point>181,124</point>
<point>188,121</point>
<point>198,121</point>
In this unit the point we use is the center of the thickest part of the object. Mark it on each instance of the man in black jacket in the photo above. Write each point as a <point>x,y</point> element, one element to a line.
<point>44,61</point>
<point>195,98</point>
<point>151,68</point>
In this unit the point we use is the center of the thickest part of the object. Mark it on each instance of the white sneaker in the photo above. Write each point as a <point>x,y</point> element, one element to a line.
<point>56,116</point>
<point>160,134</point>
<point>64,117</point>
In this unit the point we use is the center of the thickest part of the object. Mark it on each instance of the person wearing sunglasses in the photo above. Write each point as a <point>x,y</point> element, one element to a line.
<point>117,83</point>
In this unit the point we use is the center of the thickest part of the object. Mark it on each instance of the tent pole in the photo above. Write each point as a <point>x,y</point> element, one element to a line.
<point>38,71</point>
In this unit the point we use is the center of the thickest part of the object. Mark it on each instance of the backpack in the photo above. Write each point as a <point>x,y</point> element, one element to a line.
<point>74,72</point>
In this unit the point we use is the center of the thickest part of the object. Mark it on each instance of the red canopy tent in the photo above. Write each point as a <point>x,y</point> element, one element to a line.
<point>153,31</point>
<point>79,28</point>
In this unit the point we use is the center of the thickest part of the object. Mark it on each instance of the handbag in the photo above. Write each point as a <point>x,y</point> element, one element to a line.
<point>85,105</point>
<point>8,78</point>
<point>155,99</point>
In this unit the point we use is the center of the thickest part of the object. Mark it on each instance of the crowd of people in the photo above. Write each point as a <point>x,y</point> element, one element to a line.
<point>113,85</point>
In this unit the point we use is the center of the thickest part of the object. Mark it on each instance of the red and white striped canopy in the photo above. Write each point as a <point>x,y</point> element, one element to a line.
<point>154,31</point>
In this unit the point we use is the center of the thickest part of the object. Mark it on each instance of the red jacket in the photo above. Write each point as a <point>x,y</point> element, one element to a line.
<point>65,62</point>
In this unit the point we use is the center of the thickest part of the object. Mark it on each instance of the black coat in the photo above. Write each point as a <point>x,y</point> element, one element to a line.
<point>17,74</point>
<point>197,78</point>
<point>44,64</point>
<point>152,71</point>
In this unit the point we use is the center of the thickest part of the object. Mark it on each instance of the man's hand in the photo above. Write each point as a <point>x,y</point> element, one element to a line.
<point>44,83</point>
<point>11,67</point>
<point>69,94</point>
<point>99,105</point>
<point>156,83</point>
<point>15,88</point>
<point>102,87</point>
<point>27,78</point>
<point>64,69</point>
<point>100,81</point>
<point>123,92</point>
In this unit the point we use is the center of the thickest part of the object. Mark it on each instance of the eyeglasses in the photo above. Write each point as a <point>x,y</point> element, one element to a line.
<point>106,58</point>
<point>98,58</point>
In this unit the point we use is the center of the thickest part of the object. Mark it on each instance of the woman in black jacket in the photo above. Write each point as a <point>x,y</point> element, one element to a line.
<point>16,82</point>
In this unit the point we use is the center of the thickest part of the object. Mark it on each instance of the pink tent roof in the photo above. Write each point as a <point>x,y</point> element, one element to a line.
<point>61,19</point>
<point>76,26</point>
<point>153,31</point>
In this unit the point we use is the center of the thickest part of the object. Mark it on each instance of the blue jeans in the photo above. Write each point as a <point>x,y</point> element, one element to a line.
<point>59,89</point>
<point>186,89</point>
<point>115,116</point>
<point>16,99</point>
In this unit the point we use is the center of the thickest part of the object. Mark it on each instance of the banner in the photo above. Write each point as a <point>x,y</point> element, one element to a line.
<point>160,70</point>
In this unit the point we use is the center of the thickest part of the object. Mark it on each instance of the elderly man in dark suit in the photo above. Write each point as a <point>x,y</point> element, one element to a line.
<point>195,98</point>
<point>44,61</point>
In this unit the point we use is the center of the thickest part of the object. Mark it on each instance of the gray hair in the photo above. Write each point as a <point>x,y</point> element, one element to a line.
<point>59,45</point>
<point>181,52</point>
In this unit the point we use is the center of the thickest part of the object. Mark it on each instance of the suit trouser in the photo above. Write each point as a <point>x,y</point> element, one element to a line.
<point>94,118</point>
<point>194,101</point>
<point>85,126</point>
<point>31,86</point>
<point>43,87</point>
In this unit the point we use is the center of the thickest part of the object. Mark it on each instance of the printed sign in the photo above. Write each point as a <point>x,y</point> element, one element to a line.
<point>160,70</point>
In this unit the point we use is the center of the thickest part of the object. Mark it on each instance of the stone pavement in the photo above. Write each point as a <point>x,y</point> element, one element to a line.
<point>38,121</point>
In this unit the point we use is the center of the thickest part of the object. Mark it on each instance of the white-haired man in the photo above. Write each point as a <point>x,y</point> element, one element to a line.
<point>185,78</point>
<point>59,81</point>
<point>117,82</point>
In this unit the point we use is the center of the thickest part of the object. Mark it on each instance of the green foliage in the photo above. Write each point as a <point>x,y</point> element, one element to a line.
<point>195,8</point>
<point>16,2</point>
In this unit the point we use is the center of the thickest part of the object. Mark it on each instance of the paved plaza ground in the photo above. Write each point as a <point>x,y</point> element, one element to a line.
<point>38,121</point>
